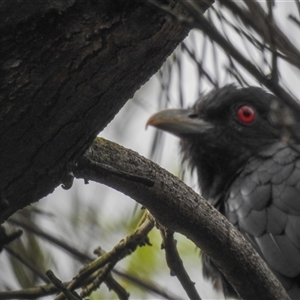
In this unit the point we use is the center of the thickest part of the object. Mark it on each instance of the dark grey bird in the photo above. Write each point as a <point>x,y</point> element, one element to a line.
<point>242,145</point>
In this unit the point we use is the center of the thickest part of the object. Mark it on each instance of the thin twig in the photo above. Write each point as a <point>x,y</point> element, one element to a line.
<point>199,21</point>
<point>60,286</point>
<point>82,257</point>
<point>124,248</point>
<point>176,265</point>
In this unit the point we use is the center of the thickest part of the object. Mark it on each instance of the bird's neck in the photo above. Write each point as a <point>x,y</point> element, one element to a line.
<point>216,166</point>
<point>216,171</point>
<point>213,181</point>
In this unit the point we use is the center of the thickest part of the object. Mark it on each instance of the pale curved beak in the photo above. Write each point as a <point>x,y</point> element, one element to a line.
<point>179,122</point>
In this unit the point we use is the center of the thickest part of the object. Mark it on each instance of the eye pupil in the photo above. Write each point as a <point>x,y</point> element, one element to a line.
<point>246,114</point>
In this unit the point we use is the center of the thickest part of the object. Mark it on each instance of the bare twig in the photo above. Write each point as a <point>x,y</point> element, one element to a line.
<point>82,257</point>
<point>5,238</point>
<point>283,44</point>
<point>197,20</point>
<point>124,248</point>
<point>61,287</point>
<point>176,265</point>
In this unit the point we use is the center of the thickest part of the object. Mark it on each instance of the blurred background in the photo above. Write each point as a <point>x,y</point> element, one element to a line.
<point>62,230</point>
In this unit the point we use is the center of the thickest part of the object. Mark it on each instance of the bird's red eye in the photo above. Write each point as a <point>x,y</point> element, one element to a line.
<point>246,114</point>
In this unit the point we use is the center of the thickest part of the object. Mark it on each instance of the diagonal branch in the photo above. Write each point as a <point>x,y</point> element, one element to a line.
<point>179,208</point>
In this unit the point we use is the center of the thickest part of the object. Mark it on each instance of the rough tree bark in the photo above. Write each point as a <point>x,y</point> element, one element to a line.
<point>66,68</point>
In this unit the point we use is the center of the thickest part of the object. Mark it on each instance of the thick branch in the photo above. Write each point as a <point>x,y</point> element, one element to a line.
<point>66,69</point>
<point>179,208</point>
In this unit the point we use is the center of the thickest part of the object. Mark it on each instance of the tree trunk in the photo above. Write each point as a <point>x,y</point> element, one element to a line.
<point>66,69</point>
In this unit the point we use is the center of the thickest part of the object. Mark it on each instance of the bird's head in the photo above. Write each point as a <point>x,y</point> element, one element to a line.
<point>223,130</point>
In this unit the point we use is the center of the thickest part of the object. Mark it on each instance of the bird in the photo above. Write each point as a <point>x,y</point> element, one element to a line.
<point>243,144</point>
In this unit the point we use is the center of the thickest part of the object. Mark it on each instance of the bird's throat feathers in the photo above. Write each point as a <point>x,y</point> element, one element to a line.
<point>216,169</point>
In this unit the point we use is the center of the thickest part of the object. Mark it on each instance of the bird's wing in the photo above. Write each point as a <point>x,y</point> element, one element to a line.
<point>264,203</point>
